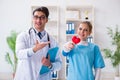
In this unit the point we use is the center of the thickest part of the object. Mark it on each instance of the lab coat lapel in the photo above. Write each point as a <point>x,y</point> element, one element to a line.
<point>33,38</point>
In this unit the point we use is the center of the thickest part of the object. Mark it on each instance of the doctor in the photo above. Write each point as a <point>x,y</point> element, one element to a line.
<point>84,57</point>
<point>31,49</point>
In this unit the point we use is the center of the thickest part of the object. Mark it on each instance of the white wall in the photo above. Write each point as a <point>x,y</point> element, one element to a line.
<point>16,15</point>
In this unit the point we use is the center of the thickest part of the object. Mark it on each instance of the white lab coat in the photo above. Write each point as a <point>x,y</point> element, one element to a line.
<point>29,63</point>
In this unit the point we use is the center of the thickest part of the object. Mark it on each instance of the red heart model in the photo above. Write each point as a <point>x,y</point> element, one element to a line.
<point>75,39</point>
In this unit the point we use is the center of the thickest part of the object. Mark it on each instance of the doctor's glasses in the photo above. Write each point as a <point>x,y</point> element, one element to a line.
<point>39,17</point>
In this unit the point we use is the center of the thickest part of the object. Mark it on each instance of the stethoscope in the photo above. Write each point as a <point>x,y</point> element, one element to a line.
<point>48,38</point>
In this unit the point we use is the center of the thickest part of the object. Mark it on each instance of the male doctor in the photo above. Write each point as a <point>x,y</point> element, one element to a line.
<point>32,47</point>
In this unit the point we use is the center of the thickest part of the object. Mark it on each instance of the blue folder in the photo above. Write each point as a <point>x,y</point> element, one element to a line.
<point>52,52</point>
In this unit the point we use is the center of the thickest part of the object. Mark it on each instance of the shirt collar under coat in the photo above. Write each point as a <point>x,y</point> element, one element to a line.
<point>42,32</point>
<point>34,36</point>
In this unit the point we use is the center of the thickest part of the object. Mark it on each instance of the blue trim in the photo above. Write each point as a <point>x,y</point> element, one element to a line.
<point>64,53</point>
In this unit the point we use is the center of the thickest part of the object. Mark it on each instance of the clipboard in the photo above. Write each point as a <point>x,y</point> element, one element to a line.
<point>52,52</point>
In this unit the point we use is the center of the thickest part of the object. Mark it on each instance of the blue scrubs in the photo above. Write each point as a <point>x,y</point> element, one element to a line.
<point>82,59</point>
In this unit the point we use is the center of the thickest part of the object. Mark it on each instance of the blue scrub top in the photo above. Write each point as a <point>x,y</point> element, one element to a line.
<point>82,60</point>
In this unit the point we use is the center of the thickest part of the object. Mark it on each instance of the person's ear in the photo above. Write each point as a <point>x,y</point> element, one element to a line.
<point>90,32</point>
<point>46,20</point>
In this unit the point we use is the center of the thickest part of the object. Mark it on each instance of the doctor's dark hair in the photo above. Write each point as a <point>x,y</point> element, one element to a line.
<point>42,9</point>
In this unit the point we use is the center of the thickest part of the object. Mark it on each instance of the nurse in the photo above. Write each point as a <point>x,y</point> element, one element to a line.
<point>32,47</point>
<point>84,56</point>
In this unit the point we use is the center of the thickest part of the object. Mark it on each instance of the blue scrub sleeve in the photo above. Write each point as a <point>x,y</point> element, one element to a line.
<point>98,59</point>
<point>65,53</point>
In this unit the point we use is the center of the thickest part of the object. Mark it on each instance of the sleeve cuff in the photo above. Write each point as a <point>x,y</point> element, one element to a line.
<point>50,67</point>
<point>65,49</point>
<point>30,53</point>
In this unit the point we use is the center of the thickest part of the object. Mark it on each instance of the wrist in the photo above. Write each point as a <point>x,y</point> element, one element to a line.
<point>66,49</point>
<point>34,49</point>
<point>50,66</point>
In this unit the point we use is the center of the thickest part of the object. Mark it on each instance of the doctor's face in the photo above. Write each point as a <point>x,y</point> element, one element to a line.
<point>83,31</point>
<point>39,20</point>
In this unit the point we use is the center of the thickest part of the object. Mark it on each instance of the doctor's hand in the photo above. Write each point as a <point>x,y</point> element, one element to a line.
<point>69,46</point>
<point>39,45</point>
<point>46,61</point>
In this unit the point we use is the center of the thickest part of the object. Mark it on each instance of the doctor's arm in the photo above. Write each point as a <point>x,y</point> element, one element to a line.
<point>57,64</point>
<point>23,50</point>
<point>39,45</point>
<point>97,74</point>
<point>67,47</point>
<point>22,47</point>
<point>53,66</point>
<point>99,63</point>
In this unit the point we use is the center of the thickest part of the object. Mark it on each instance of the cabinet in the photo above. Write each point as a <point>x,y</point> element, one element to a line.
<point>74,15</point>
<point>52,27</point>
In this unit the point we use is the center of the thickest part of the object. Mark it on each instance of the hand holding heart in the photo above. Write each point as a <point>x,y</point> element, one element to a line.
<point>70,45</point>
<point>75,39</point>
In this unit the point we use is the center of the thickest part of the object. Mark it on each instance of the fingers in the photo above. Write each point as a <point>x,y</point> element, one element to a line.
<point>40,45</point>
<point>46,42</point>
<point>46,61</point>
<point>43,60</point>
<point>72,43</point>
<point>37,42</point>
<point>48,57</point>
